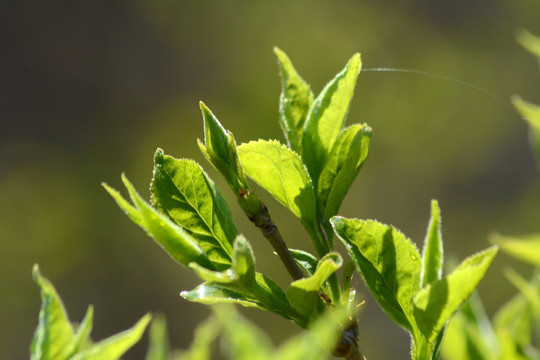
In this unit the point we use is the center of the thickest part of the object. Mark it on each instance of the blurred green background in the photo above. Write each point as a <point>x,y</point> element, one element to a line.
<point>89,89</point>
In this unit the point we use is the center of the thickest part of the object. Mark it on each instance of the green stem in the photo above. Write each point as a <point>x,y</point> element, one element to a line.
<point>263,221</point>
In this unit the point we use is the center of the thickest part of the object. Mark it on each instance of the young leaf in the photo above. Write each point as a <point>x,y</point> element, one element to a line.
<point>115,346</point>
<point>529,42</point>
<point>432,254</point>
<point>303,294</point>
<point>200,348</point>
<point>438,301</point>
<point>214,293</point>
<point>54,334</point>
<point>531,114</point>
<point>344,162</point>
<point>82,336</point>
<point>183,191</point>
<point>281,172</point>
<point>220,277</point>
<point>158,348</point>
<point>323,334</point>
<point>469,335</point>
<point>388,261</point>
<point>305,260</point>
<point>513,324</point>
<point>327,116</point>
<point>294,103</point>
<point>219,148</point>
<point>525,248</point>
<point>529,290</point>
<point>243,262</point>
<point>244,340</point>
<point>464,341</point>
<point>175,241</point>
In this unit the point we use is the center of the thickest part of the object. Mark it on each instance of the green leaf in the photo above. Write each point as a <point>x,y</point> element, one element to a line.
<point>82,336</point>
<point>463,341</point>
<point>513,324</point>
<point>529,42</point>
<point>531,114</point>
<point>323,334</point>
<point>388,261</point>
<point>344,162</point>
<point>280,171</point>
<point>158,348</point>
<point>305,260</point>
<point>432,254</point>
<point>275,300</point>
<point>525,248</point>
<point>220,277</point>
<point>219,148</point>
<point>303,294</point>
<point>438,301</point>
<point>183,191</point>
<point>214,293</point>
<point>529,290</point>
<point>54,333</point>
<point>115,346</point>
<point>295,101</point>
<point>327,116</point>
<point>244,340</point>
<point>469,335</point>
<point>510,350</point>
<point>243,262</point>
<point>200,348</point>
<point>173,239</point>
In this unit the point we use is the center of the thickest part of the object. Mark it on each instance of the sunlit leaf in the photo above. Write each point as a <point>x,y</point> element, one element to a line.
<point>344,162</point>
<point>158,345</point>
<point>463,341</point>
<point>281,172</point>
<point>173,239</point>
<point>219,148</point>
<point>200,348</point>
<point>214,293</point>
<point>243,262</point>
<point>469,335</point>
<point>525,248</point>
<point>529,42</point>
<point>295,101</point>
<point>316,343</point>
<point>515,317</point>
<point>244,340</point>
<point>115,346</point>
<point>54,333</point>
<point>183,191</point>
<point>432,253</point>
<point>531,114</point>
<point>82,335</point>
<point>439,300</point>
<point>303,294</point>
<point>529,291</point>
<point>388,261</point>
<point>327,116</point>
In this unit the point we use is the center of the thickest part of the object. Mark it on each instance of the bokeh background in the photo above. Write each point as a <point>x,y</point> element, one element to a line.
<point>89,89</point>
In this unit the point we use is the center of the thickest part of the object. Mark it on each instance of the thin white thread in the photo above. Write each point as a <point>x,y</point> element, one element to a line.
<point>442,77</point>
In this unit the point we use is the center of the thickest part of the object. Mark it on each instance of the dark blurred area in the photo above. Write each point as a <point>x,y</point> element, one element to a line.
<point>89,89</point>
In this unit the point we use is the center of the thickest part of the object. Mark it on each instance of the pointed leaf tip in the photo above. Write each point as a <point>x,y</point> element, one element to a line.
<point>327,116</point>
